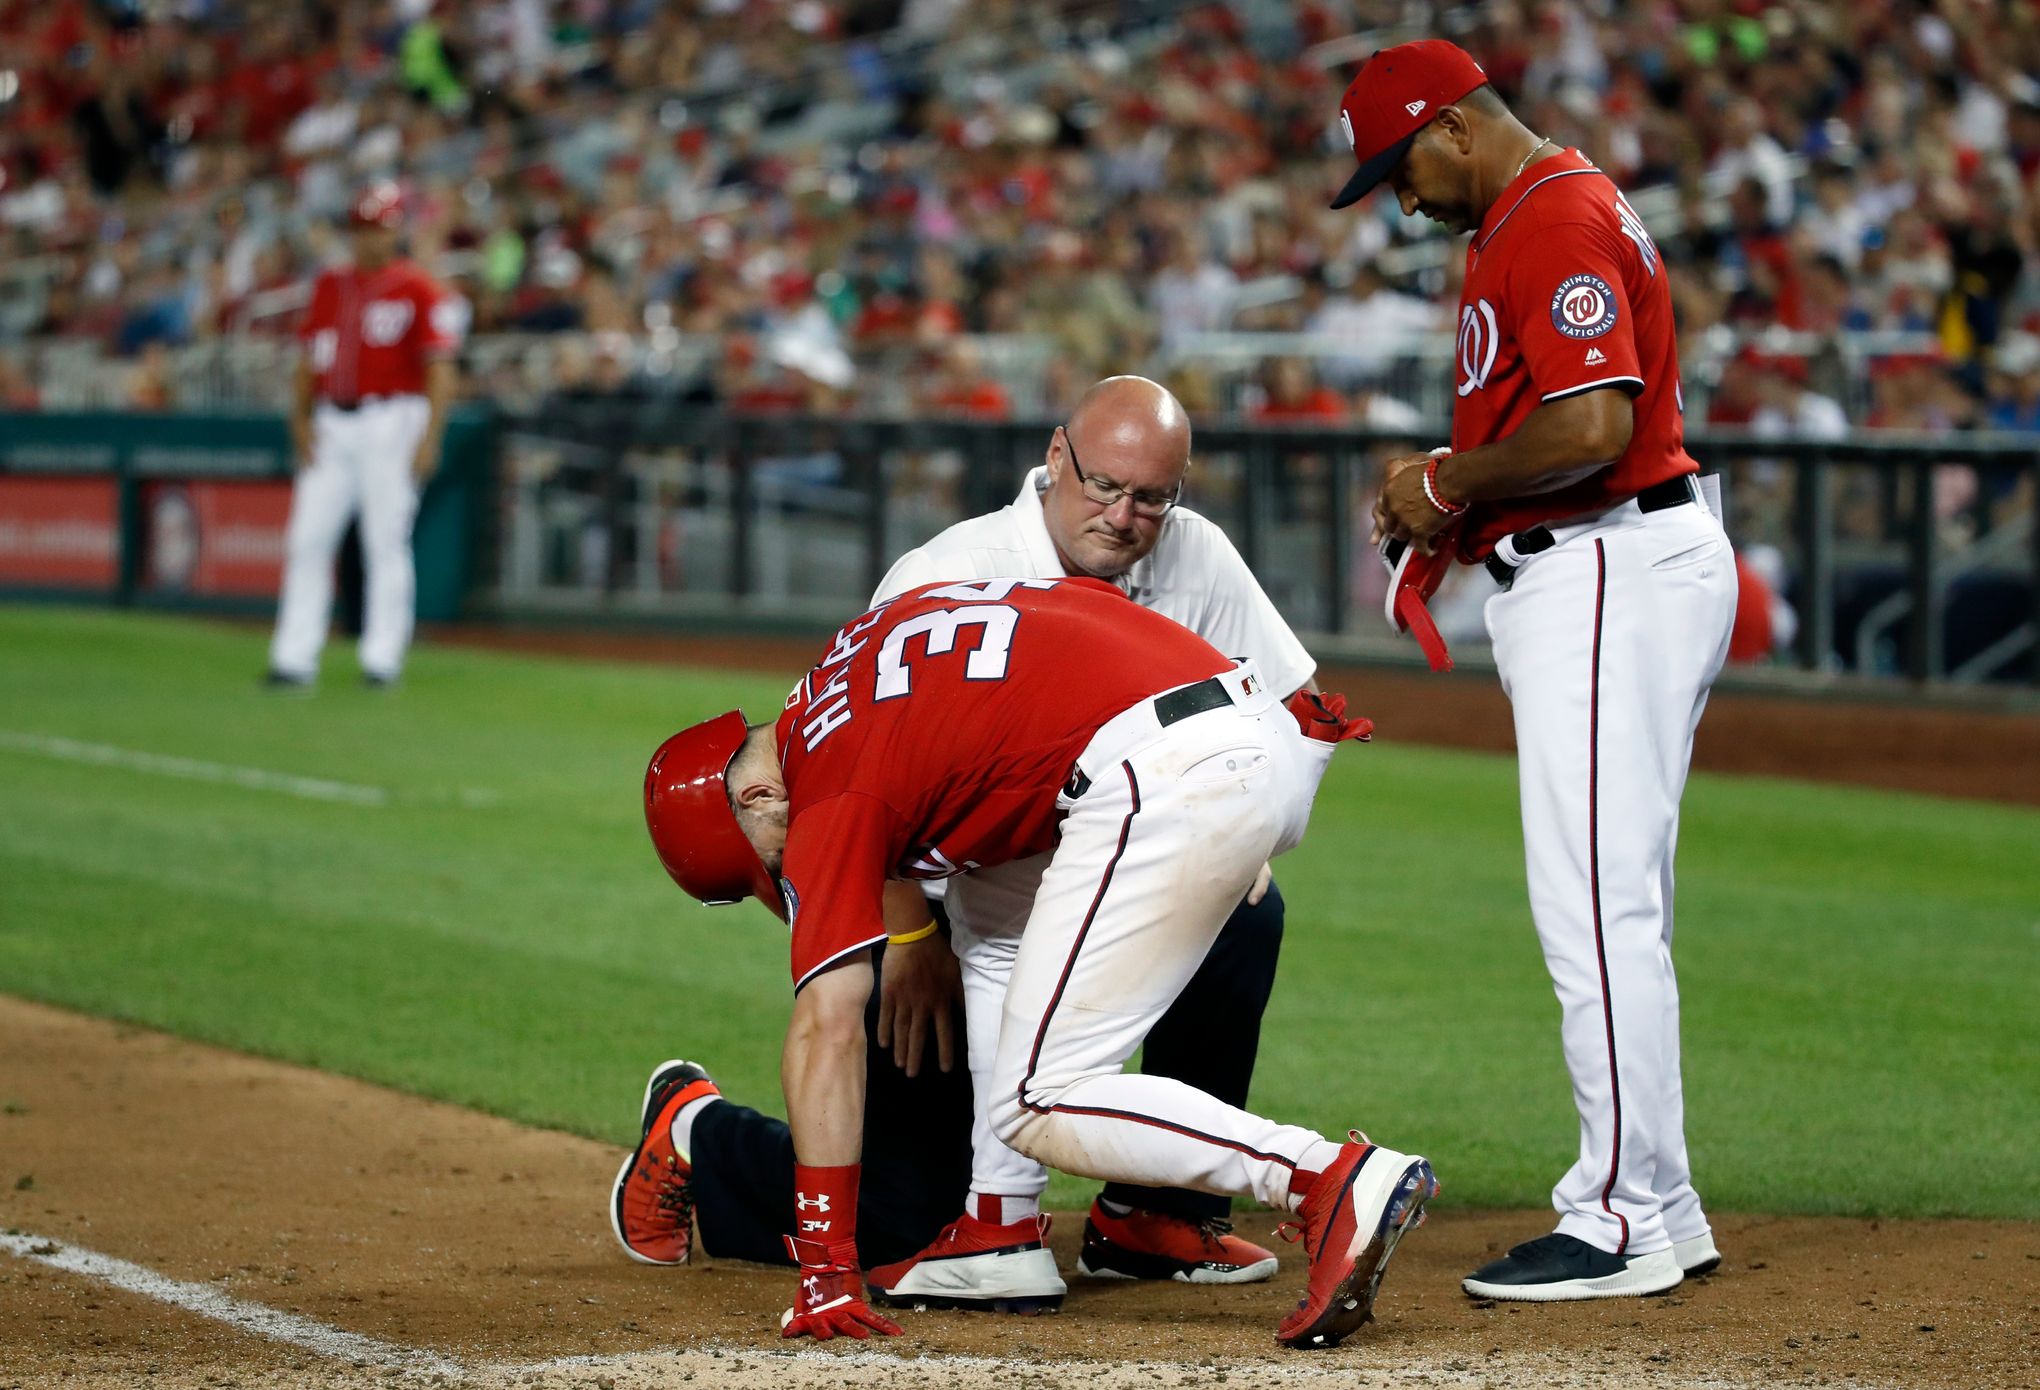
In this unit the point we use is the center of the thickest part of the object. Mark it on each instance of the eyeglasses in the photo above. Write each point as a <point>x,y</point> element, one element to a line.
<point>1106,493</point>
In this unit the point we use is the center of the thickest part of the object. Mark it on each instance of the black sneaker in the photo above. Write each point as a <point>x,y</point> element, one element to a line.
<point>283,683</point>
<point>371,681</point>
<point>1697,1256</point>
<point>1559,1268</point>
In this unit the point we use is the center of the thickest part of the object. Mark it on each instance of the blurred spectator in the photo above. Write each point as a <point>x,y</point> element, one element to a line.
<point>1987,256</point>
<point>1191,293</point>
<point>1291,396</point>
<point>1370,322</point>
<point>1749,153</point>
<point>115,128</point>
<point>958,385</point>
<point>1112,187</point>
<point>1834,225</point>
<point>2014,393</point>
<point>1784,404</point>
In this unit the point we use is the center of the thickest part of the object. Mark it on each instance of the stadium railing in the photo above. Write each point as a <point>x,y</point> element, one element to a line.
<point>1901,556</point>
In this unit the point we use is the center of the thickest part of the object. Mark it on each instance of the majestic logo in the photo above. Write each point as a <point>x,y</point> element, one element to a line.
<point>1414,107</point>
<point>1478,343</point>
<point>1596,357</point>
<point>1583,307</point>
<point>1346,124</point>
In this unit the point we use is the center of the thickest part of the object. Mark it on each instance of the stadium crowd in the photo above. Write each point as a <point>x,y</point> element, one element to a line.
<point>796,190</point>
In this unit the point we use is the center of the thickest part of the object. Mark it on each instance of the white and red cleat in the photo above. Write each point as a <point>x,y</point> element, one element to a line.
<point>975,1264</point>
<point>1359,1208</point>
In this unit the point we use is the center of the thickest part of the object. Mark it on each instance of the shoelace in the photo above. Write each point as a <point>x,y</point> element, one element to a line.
<point>1213,1230</point>
<point>675,1195</point>
<point>1293,1231</point>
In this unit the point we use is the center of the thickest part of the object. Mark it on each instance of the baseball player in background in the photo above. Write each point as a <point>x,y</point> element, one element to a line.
<point>1569,479</point>
<point>366,421</point>
<point>968,725</point>
<point>1107,508</point>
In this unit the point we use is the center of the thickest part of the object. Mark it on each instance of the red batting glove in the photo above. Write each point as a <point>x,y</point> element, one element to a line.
<point>831,1296</point>
<point>1322,715</point>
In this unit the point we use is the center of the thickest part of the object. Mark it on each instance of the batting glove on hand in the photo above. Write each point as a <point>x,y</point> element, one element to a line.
<point>831,1295</point>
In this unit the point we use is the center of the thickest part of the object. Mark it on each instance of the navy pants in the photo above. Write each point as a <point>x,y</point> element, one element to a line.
<point>917,1132</point>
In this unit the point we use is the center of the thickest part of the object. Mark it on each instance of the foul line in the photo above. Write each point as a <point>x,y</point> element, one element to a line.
<point>208,1301</point>
<point>362,1350</point>
<point>226,774</point>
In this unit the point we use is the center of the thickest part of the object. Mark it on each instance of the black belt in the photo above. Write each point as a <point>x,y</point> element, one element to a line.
<point>1673,492</point>
<point>1171,708</point>
<point>1191,699</point>
<point>349,407</point>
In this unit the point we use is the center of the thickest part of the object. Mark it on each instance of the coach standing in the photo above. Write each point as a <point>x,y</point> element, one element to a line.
<point>1569,479</point>
<point>378,341</point>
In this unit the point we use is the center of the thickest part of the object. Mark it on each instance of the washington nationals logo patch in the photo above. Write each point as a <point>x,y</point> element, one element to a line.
<point>1584,306</point>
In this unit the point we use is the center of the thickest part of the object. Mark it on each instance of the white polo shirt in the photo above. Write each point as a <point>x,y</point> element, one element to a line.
<point>1193,575</point>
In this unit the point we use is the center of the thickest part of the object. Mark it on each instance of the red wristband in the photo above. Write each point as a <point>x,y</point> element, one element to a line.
<point>825,1203</point>
<point>1431,489</point>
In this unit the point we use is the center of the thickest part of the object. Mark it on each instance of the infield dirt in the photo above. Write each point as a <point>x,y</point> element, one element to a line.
<point>435,1228</point>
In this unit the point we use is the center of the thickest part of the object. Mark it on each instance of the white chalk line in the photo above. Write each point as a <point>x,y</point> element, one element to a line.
<point>359,1349</point>
<point>1303,1369</point>
<point>259,779</point>
<point>207,1301</point>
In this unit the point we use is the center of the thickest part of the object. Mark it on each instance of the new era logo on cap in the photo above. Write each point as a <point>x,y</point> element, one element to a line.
<point>1399,90</point>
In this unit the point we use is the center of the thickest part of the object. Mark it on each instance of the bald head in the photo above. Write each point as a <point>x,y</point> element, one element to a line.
<point>1136,413</point>
<point>1129,440</point>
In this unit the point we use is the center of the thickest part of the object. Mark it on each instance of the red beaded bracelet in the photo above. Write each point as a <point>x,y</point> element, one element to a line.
<point>1431,489</point>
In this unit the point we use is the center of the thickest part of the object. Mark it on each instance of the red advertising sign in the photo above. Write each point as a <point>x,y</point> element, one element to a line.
<point>60,532</point>
<point>214,537</point>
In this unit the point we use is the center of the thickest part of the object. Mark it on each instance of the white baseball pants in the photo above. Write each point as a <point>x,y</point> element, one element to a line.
<point>1607,645</point>
<point>361,462</point>
<point>1153,857</point>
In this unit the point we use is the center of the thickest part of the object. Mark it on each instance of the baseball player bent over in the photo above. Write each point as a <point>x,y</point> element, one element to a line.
<point>379,340</point>
<point>967,725</point>
<point>1569,479</point>
<point>1103,504</point>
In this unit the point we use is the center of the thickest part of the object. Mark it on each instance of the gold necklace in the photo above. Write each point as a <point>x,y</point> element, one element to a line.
<point>1528,157</point>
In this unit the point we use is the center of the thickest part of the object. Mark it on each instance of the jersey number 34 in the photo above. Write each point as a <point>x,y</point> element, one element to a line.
<point>987,661</point>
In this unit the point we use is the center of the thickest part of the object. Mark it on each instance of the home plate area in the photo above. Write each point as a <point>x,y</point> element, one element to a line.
<point>176,1215</point>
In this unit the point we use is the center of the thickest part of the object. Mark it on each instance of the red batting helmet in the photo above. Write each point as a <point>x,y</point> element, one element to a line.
<point>687,809</point>
<point>378,205</point>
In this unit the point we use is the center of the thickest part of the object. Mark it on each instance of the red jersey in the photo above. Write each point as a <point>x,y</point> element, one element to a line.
<point>1565,293</point>
<point>936,732</point>
<point>370,333</point>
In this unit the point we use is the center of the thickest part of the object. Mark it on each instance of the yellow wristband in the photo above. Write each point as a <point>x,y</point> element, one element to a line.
<point>908,938</point>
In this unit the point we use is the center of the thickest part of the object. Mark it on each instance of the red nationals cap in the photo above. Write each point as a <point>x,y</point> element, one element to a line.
<point>378,205</point>
<point>1397,93</point>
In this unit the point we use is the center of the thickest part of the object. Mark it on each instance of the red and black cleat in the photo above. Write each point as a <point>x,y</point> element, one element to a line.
<point>1351,1221</point>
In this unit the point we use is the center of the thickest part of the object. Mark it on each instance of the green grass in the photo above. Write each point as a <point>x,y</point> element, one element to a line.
<point>1859,968</point>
